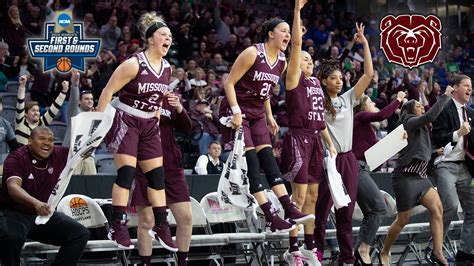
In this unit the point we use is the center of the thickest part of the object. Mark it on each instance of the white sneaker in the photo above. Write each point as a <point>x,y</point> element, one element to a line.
<point>295,258</point>
<point>311,256</point>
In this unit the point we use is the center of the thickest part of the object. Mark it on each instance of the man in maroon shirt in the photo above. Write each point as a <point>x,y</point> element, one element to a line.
<point>30,174</point>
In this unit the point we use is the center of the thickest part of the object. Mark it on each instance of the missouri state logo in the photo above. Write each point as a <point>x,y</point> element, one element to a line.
<point>410,40</point>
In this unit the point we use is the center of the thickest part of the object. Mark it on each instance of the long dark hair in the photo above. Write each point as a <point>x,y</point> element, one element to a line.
<point>268,26</point>
<point>326,68</point>
<point>406,111</point>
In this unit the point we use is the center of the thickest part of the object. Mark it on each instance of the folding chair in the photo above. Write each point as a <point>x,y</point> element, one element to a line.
<point>9,99</point>
<point>12,86</point>
<point>9,113</point>
<point>245,237</point>
<point>88,213</point>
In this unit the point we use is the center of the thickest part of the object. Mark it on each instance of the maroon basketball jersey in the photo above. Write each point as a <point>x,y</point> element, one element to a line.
<point>305,104</point>
<point>256,84</point>
<point>38,177</point>
<point>145,91</point>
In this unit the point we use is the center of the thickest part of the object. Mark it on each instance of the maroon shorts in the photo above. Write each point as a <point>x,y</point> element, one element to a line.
<point>302,157</point>
<point>134,136</point>
<point>255,128</point>
<point>176,188</point>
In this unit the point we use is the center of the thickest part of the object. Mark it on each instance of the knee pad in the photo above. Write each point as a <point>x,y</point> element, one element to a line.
<point>270,167</point>
<point>253,171</point>
<point>156,178</point>
<point>125,175</point>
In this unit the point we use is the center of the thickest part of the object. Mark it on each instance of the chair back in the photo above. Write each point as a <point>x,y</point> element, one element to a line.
<point>217,214</point>
<point>83,209</point>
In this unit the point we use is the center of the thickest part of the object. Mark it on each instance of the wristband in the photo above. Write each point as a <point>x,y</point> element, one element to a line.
<point>236,109</point>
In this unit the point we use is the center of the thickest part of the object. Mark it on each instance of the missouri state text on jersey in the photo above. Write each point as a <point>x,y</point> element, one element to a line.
<point>145,92</point>
<point>317,103</point>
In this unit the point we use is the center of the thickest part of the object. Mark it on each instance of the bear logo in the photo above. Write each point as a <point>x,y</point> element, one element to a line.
<point>410,40</point>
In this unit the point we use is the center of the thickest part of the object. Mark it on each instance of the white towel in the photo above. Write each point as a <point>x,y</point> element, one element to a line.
<point>336,186</point>
<point>234,185</point>
<point>87,131</point>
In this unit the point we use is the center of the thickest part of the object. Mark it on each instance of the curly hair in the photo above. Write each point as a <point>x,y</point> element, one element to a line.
<point>326,68</point>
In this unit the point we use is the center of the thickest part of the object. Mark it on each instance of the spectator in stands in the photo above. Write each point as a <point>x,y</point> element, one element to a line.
<point>205,120</point>
<point>30,175</point>
<point>339,115</point>
<point>28,115</point>
<point>180,86</point>
<point>213,45</point>
<point>102,70</point>
<point>185,41</point>
<point>222,25</point>
<point>213,83</point>
<point>27,66</point>
<point>134,138</point>
<point>219,65</point>
<point>79,102</point>
<point>410,181</point>
<point>9,66</point>
<point>110,34</point>
<point>267,60</point>
<point>454,173</point>
<point>33,21</point>
<point>369,197</point>
<point>7,136</point>
<point>90,27</point>
<point>231,49</point>
<point>198,80</point>
<point>173,116</point>
<point>203,55</point>
<point>14,32</point>
<point>302,153</point>
<point>122,52</point>
<point>210,163</point>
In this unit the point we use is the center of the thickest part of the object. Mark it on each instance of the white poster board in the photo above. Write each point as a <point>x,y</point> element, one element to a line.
<point>386,148</point>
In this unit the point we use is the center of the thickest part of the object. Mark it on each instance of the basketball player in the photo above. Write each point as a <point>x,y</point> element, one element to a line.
<point>254,74</point>
<point>302,154</point>
<point>173,115</point>
<point>339,121</point>
<point>30,174</point>
<point>135,136</point>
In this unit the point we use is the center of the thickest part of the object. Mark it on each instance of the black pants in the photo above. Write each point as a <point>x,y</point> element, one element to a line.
<point>60,230</point>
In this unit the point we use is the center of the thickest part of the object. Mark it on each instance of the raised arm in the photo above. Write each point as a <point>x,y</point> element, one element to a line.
<point>20,101</point>
<point>432,114</point>
<point>294,71</point>
<point>124,73</point>
<point>53,110</point>
<point>72,109</point>
<point>364,81</point>
<point>383,114</point>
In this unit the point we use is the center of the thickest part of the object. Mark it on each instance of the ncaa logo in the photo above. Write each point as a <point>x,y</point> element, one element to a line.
<point>410,40</point>
<point>64,20</point>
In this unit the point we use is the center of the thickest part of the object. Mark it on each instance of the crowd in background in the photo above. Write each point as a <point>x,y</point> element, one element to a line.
<point>207,37</point>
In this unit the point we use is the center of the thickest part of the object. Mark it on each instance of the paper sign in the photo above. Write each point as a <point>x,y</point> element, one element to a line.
<point>386,148</point>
